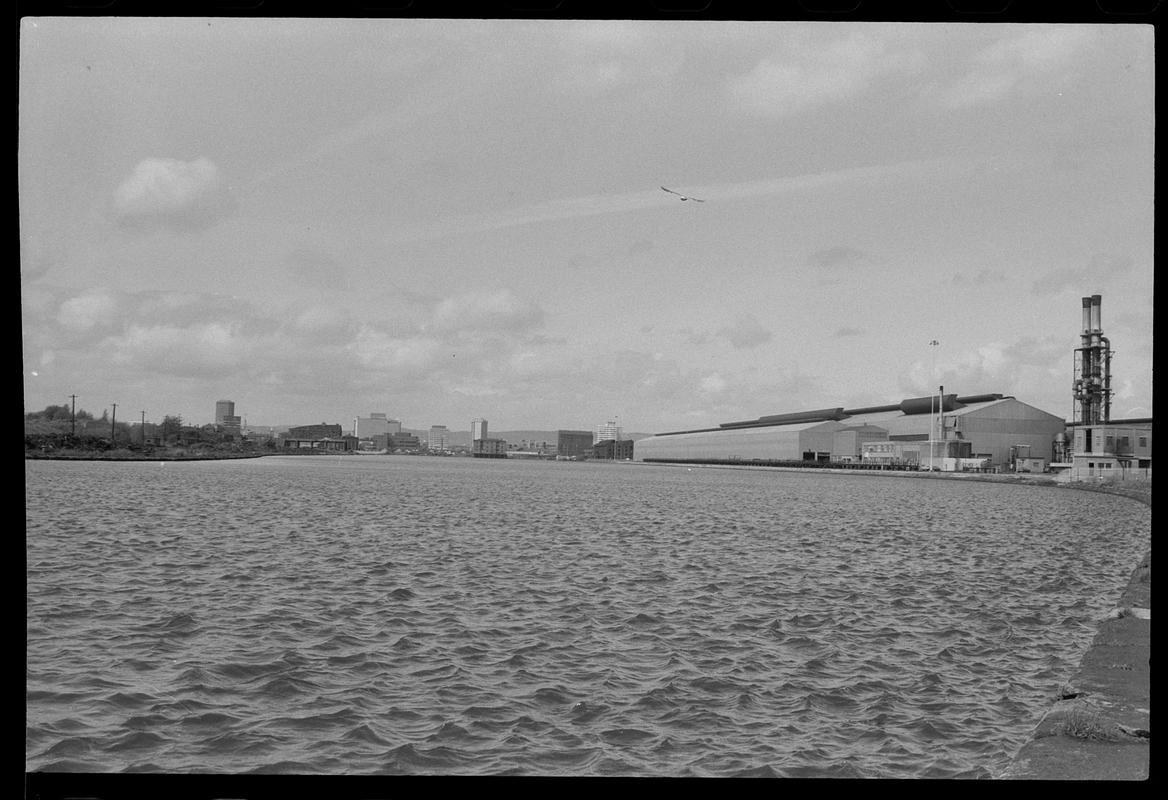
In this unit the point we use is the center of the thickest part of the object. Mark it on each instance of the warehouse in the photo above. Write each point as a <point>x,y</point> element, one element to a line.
<point>991,428</point>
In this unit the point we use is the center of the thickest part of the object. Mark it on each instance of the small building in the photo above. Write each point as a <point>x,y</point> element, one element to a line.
<point>1030,464</point>
<point>403,441</point>
<point>891,454</point>
<point>613,450</point>
<point>321,431</point>
<point>317,438</point>
<point>328,444</point>
<point>1116,450</point>
<point>488,448</point>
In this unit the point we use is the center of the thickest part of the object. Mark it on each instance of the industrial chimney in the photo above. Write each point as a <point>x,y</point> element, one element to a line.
<point>1092,387</point>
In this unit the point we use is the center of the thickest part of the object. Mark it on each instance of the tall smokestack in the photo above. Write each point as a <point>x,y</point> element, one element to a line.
<point>1092,386</point>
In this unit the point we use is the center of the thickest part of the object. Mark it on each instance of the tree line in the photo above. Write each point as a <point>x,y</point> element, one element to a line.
<point>58,430</point>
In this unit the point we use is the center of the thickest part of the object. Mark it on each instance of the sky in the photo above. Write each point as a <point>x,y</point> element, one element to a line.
<point>443,220</point>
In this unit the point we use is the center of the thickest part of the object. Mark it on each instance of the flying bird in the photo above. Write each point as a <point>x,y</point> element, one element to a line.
<point>682,196</point>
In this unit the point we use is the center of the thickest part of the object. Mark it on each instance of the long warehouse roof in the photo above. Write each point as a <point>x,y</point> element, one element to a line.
<point>951,404</point>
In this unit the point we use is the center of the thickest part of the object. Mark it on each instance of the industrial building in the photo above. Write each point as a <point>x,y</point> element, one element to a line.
<point>1099,446</point>
<point>946,431</point>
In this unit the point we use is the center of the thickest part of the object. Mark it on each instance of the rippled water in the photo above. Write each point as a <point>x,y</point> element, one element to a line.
<point>454,616</point>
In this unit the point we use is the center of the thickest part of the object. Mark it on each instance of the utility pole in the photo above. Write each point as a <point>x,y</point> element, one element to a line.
<point>941,423</point>
<point>113,424</point>
<point>73,416</point>
<point>933,344</point>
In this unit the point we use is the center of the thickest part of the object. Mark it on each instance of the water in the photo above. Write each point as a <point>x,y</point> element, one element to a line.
<point>409,615</point>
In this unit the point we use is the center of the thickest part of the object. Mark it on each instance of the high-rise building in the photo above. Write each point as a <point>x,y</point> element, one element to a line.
<point>609,430</point>
<point>225,417</point>
<point>439,438</point>
<point>373,425</point>
<point>478,429</point>
<point>223,410</point>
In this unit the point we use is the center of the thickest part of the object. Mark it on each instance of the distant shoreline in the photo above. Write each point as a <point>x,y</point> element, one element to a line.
<point>1136,489</point>
<point>171,457</point>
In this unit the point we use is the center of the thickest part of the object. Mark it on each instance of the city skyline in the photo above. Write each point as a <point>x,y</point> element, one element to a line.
<point>454,219</point>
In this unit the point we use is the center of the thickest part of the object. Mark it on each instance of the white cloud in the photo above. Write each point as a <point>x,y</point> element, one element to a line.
<point>316,269</point>
<point>746,332</point>
<point>1014,63</point>
<point>165,192</point>
<point>812,73</point>
<point>599,56</point>
<point>1083,278</point>
<point>713,384</point>
<point>499,311</point>
<point>194,350</point>
<point>88,310</point>
<point>840,256</point>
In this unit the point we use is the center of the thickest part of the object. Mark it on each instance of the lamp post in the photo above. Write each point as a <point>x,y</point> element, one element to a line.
<point>933,345</point>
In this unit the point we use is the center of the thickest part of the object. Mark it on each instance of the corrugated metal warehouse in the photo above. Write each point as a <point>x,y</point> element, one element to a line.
<point>991,426</point>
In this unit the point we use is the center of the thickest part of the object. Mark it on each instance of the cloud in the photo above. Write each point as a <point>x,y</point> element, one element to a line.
<point>745,333</point>
<point>1017,62</point>
<point>167,193</point>
<point>848,332</point>
<point>327,321</point>
<point>713,384</point>
<point>317,269</point>
<point>837,257</point>
<point>1027,369</point>
<point>983,277</point>
<point>1082,279</point>
<point>811,73</point>
<point>594,57</point>
<point>640,246</point>
<point>499,311</point>
<point>200,350</point>
<point>96,308</point>
<point>387,354</point>
<point>695,338</point>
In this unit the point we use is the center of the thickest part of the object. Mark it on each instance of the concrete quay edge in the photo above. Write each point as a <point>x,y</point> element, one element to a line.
<point>1099,727</point>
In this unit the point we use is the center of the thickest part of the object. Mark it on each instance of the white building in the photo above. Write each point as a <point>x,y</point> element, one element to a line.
<point>439,438</point>
<point>478,429</point>
<point>375,424</point>
<point>609,430</point>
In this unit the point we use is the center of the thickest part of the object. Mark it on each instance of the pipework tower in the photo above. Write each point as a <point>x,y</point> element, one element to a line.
<point>1092,387</point>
